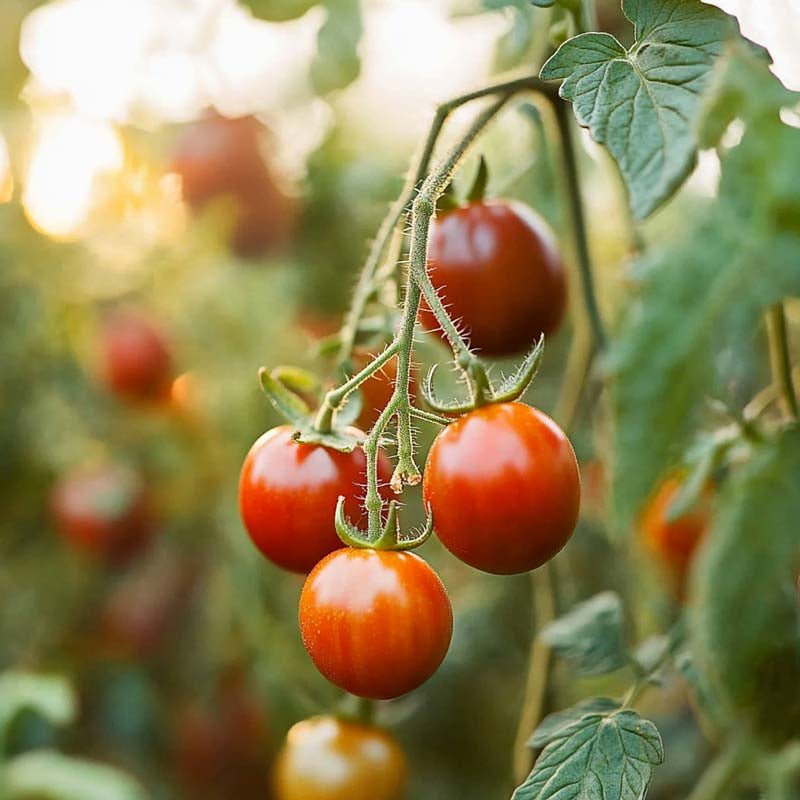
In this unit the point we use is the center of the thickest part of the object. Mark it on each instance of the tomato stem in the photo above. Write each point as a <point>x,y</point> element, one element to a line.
<point>780,359</point>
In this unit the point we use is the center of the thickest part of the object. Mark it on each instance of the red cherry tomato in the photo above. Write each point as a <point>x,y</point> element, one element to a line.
<point>503,486</point>
<point>498,271</point>
<point>103,511</point>
<point>326,758</point>
<point>219,157</point>
<point>377,623</point>
<point>288,494</point>
<point>674,542</point>
<point>137,363</point>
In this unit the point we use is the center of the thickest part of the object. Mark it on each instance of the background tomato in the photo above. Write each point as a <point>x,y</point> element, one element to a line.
<point>326,758</point>
<point>104,511</point>
<point>503,485</point>
<point>498,271</point>
<point>222,157</point>
<point>136,358</point>
<point>376,623</point>
<point>674,541</point>
<point>288,493</point>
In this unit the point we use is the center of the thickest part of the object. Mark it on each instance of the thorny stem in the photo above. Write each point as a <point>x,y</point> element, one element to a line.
<point>780,359</point>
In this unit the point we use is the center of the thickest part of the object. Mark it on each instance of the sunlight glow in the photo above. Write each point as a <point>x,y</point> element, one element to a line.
<point>69,154</point>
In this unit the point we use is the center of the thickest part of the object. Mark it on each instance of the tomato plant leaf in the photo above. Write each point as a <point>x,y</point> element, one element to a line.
<point>48,775</point>
<point>596,757</point>
<point>49,696</point>
<point>705,294</point>
<point>643,103</point>
<point>337,63</point>
<point>553,725</point>
<point>751,657</point>
<point>590,635</point>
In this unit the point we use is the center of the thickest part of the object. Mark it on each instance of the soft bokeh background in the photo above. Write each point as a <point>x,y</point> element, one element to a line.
<point>188,658</point>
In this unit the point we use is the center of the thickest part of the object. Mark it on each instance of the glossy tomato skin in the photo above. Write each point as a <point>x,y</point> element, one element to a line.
<point>376,623</point>
<point>498,271</point>
<point>326,758</point>
<point>103,511</point>
<point>674,542</point>
<point>288,494</point>
<point>503,486</point>
<point>136,357</point>
<point>221,157</point>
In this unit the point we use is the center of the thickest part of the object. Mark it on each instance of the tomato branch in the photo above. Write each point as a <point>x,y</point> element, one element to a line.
<point>780,359</point>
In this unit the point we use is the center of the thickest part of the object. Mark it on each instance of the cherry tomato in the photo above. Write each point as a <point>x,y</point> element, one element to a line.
<point>288,493</point>
<point>326,758</point>
<point>498,271</point>
<point>221,748</point>
<point>137,363</point>
<point>377,623</point>
<point>219,157</point>
<point>103,511</point>
<point>503,486</point>
<point>674,542</point>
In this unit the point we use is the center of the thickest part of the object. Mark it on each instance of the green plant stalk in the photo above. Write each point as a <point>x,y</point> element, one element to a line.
<point>780,360</point>
<point>571,176</point>
<point>720,775</point>
<point>370,273</point>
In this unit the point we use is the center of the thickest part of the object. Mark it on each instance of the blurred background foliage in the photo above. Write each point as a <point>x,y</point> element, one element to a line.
<point>186,659</point>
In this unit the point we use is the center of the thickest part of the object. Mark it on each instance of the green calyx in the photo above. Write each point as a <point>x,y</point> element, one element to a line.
<point>390,537</point>
<point>481,390</point>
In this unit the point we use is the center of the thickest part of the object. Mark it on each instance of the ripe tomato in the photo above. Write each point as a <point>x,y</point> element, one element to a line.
<point>136,360</point>
<point>503,486</point>
<point>218,157</point>
<point>326,758</point>
<point>221,748</point>
<point>674,542</point>
<point>288,493</point>
<point>376,623</point>
<point>498,271</point>
<point>104,511</point>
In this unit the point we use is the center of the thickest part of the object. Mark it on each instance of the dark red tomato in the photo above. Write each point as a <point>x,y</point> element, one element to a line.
<point>504,489</point>
<point>674,542</point>
<point>221,747</point>
<point>498,271</point>
<point>288,493</point>
<point>136,359</point>
<point>326,758</point>
<point>147,604</point>
<point>221,157</point>
<point>103,511</point>
<point>377,623</point>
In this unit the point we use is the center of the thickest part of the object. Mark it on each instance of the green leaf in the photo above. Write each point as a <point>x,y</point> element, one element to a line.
<point>703,294</point>
<point>596,757</point>
<point>290,406</point>
<point>48,775</point>
<point>643,103</point>
<point>590,636</point>
<point>337,63</point>
<point>49,696</point>
<point>745,617</point>
<point>279,10</point>
<point>514,44</point>
<point>552,726</point>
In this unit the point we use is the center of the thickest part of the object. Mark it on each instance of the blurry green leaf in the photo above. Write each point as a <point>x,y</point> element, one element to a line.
<point>705,292</point>
<point>289,405</point>
<point>279,10</point>
<point>513,45</point>
<point>590,636</point>
<point>596,757</point>
<point>337,63</point>
<point>553,725</point>
<point>49,696</point>
<point>477,191</point>
<point>47,775</point>
<point>745,612</point>
<point>643,103</point>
